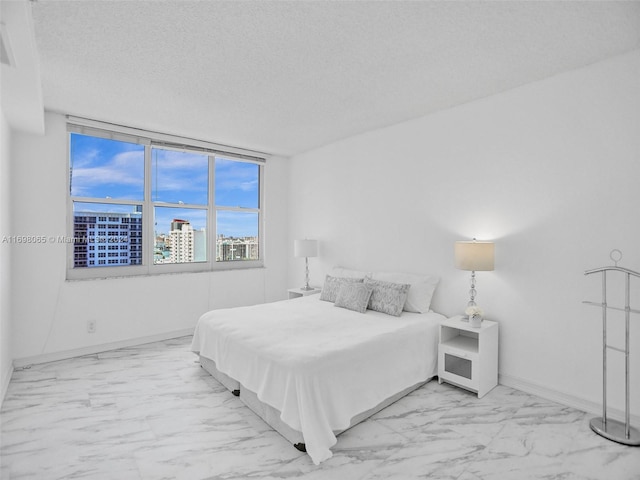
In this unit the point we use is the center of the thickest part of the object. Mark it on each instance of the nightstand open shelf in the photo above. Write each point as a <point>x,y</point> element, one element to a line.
<point>467,356</point>
<point>462,342</point>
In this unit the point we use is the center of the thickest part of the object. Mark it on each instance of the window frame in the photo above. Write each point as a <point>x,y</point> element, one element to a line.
<point>152,140</point>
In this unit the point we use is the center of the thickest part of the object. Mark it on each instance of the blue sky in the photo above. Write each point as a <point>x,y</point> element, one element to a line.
<point>103,168</point>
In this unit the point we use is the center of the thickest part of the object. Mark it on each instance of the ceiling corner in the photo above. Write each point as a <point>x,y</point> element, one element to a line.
<point>20,81</point>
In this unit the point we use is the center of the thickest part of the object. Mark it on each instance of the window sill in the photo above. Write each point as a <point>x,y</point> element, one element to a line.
<point>161,274</point>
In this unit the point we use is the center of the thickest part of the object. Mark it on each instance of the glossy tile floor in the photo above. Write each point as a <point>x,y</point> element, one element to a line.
<point>151,412</point>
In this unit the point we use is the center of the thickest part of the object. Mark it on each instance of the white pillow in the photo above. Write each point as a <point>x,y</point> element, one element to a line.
<point>348,273</point>
<point>420,293</point>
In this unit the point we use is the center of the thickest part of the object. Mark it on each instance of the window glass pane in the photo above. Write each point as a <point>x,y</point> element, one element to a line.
<point>180,235</point>
<point>237,183</point>
<point>106,235</point>
<point>237,236</point>
<point>179,177</point>
<point>114,179</point>
<point>103,168</point>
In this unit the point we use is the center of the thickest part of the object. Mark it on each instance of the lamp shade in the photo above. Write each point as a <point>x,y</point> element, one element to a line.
<point>305,248</point>
<point>474,256</point>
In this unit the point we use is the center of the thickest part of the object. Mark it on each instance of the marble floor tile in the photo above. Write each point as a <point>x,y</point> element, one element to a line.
<point>151,413</point>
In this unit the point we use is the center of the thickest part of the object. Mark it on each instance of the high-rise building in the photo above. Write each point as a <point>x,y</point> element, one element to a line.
<point>181,236</point>
<point>104,239</point>
<point>187,244</point>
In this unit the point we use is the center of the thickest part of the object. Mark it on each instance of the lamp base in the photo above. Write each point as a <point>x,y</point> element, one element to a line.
<point>306,287</point>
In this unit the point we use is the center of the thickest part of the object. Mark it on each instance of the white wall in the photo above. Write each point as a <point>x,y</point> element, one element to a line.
<point>50,313</point>
<point>6,354</point>
<point>550,171</point>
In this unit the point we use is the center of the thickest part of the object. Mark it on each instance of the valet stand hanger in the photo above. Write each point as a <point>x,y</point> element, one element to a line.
<point>612,429</point>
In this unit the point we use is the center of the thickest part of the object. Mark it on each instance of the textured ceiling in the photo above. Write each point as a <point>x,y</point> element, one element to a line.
<point>286,76</point>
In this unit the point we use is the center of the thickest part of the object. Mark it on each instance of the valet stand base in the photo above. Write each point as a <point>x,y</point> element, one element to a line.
<point>615,431</point>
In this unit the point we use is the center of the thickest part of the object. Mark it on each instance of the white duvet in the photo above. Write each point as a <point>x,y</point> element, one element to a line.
<point>318,364</point>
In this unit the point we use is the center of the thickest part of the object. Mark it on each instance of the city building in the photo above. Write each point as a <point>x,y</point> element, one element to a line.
<point>103,239</point>
<point>232,248</point>
<point>185,244</point>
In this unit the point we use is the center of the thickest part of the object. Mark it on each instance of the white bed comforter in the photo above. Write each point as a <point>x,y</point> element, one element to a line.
<point>318,364</point>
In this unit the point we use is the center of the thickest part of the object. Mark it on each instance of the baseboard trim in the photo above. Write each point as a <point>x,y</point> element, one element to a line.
<point>564,398</point>
<point>93,349</point>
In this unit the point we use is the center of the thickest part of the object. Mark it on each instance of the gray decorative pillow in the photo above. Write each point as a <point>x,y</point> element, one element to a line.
<point>332,285</point>
<point>388,297</point>
<point>354,296</point>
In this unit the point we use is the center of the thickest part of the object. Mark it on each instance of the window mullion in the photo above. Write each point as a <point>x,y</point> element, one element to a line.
<point>148,214</point>
<point>111,201</point>
<point>261,238</point>
<point>238,209</point>
<point>212,242</point>
<point>179,205</point>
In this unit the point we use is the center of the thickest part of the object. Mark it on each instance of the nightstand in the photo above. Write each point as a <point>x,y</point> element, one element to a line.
<point>467,356</point>
<point>298,292</point>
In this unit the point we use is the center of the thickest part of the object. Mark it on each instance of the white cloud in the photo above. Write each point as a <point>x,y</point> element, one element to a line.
<point>124,170</point>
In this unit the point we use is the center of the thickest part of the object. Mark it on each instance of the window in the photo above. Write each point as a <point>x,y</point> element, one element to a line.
<point>237,210</point>
<point>159,206</point>
<point>180,195</point>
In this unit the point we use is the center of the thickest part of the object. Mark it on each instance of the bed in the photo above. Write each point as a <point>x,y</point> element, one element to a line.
<point>311,367</point>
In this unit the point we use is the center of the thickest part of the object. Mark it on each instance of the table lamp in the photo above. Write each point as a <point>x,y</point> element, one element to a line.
<point>475,257</point>
<point>305,248</point>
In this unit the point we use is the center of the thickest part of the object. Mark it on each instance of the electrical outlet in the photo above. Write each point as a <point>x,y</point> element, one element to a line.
<point>91,326</point>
